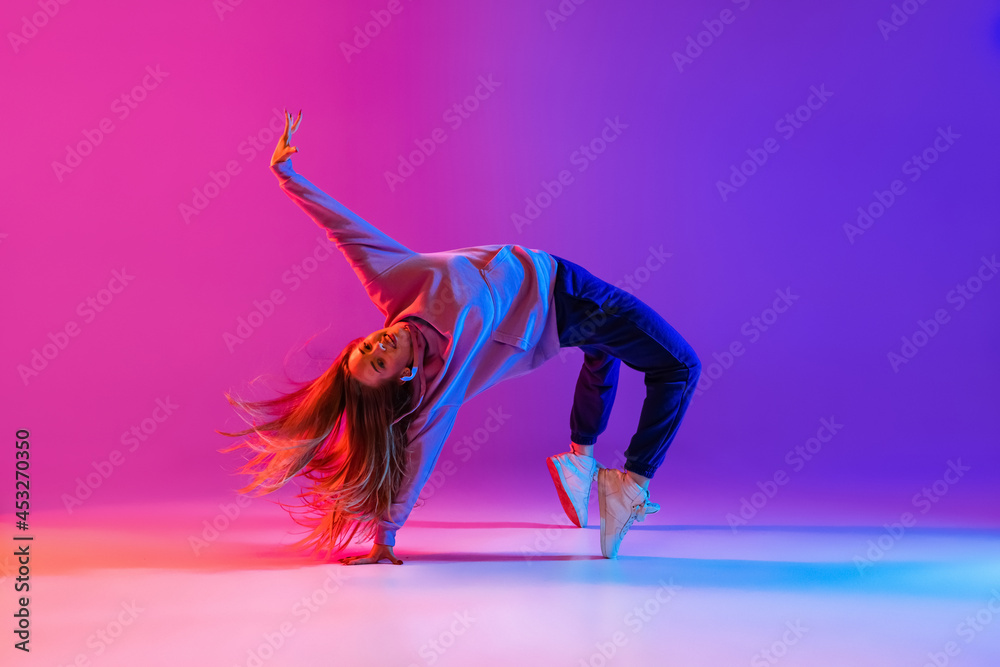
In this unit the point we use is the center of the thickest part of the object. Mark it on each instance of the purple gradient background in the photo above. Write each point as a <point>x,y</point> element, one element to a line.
<point>654,186</point>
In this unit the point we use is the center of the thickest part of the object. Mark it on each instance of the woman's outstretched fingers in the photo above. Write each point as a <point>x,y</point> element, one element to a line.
<point>358,560</point>
<point>289,131</point>
<point>283,151</point>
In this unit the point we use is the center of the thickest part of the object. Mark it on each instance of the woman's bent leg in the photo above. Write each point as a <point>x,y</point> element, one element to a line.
<point>601,318</point>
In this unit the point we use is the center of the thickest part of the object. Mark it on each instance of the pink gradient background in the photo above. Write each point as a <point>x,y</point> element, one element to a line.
<point>162,336</point>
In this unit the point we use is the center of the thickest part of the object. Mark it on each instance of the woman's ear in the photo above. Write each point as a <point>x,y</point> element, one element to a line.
<point>409,375</point>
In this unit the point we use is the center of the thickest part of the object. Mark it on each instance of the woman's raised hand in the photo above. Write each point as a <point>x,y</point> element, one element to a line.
<point>283,150</point>
<point>378,552</point>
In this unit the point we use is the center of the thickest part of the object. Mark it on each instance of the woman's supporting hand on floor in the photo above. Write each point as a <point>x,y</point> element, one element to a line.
<point>378,552</point>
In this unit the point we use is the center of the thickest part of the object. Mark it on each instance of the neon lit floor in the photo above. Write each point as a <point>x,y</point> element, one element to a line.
<point>115,586</point>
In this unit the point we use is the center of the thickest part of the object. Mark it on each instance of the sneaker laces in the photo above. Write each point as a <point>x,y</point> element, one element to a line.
<point>638,511</point>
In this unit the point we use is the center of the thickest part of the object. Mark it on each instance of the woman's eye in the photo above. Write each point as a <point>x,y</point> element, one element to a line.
<point>381,364</point>
<point>368,347</point>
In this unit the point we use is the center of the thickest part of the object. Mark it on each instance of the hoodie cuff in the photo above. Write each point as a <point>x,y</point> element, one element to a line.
<point>386,536</point>
<point>283,170</point>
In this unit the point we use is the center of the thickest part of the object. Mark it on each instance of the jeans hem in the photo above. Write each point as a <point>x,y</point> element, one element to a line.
<point>638,469</point>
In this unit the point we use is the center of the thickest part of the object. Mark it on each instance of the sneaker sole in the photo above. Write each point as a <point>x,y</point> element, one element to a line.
<point>564,499</point>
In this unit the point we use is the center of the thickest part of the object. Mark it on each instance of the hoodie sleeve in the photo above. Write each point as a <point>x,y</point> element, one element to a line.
<point>431,430</point>
<point>370,252</point>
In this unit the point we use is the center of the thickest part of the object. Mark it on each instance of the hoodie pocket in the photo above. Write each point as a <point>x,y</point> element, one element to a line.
<point>513,308</point>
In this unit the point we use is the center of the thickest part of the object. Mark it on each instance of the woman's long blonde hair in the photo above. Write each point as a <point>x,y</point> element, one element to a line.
<point>343,437</point>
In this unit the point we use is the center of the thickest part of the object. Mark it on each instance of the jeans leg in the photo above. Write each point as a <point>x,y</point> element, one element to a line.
<point>595,395</point>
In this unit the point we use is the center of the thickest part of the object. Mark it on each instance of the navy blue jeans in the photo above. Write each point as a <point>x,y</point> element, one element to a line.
<point>612,327</point>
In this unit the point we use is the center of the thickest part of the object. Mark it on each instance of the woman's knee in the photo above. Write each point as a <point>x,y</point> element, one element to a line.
<point>686,359</point>
<point>694,369</point>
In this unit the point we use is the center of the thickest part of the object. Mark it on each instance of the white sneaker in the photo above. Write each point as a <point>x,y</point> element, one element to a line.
<point>573,475</point>
<point>622,502</point>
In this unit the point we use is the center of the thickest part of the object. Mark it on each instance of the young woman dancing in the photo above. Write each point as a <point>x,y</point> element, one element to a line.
<point>367,433</point>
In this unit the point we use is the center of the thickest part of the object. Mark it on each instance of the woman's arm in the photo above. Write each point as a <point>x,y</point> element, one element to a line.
<point>423,451</point>
<point>369,251</point>
<point>430,431</point>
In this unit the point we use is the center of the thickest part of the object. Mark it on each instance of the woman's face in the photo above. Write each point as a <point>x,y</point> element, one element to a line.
<point>382,355</point>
